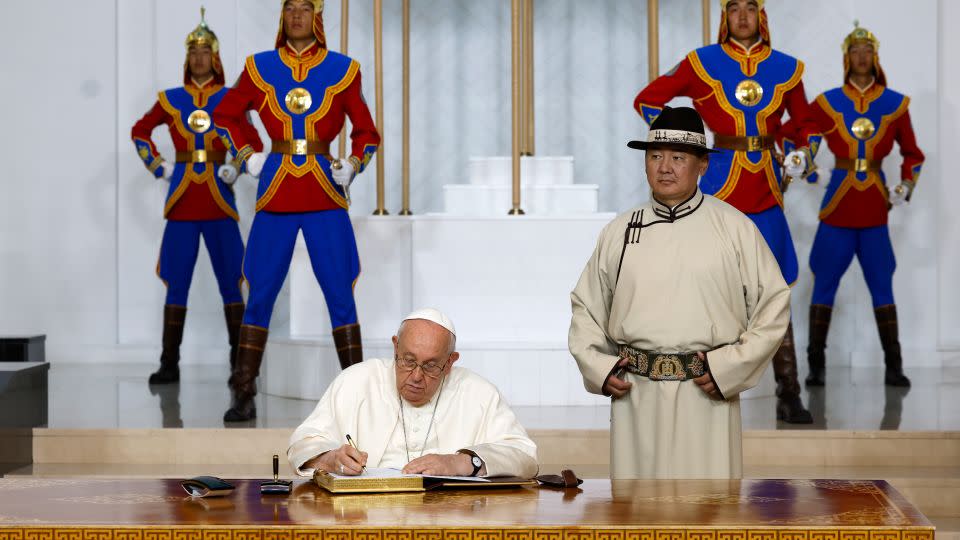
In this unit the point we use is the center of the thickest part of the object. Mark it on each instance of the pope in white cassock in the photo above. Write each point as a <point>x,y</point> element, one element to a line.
<point>679,310</point>
<point>415,412</point>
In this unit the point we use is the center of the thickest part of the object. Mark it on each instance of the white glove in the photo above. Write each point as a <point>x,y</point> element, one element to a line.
<point>898,195</point>
<point>227,173</point>
<point>794,164</point>
<point>344,173</point>
<point>255,164</point>
<point>165,171</point>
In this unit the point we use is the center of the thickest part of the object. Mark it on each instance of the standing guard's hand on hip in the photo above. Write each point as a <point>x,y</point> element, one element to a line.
<point>228,173</point>
<point>898,195</point>
<point>255,164</point>
<point>343,172</point>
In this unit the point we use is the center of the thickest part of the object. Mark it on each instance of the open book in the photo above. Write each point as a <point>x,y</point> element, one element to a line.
<point>380,480</point>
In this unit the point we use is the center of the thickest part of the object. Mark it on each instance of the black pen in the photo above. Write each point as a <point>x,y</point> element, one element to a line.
<point>354,445</point>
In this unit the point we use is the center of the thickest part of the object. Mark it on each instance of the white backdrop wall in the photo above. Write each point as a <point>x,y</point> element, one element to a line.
<point>81,226</point>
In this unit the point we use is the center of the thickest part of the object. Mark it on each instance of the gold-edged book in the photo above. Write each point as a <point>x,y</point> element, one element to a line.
<point>389,480</point>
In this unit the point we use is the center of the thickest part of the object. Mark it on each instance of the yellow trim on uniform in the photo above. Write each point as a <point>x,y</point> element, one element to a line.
<point>778,92</point>
<point>311,164</point>
<point>885,122</point>
<point>295,64</point>
<point>175,117</point>
<point>283,171</point>
<point>718,92</point>
<point>218,198</point>
<point>867,97</point>
<point>744,60</point>
<point>270,98</point>
<point>189,177</point>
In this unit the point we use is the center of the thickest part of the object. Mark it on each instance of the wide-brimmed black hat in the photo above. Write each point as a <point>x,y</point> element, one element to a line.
<point>675,126</point>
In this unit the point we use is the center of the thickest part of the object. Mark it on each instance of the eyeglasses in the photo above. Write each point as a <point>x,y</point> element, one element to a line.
<point>430,369</point>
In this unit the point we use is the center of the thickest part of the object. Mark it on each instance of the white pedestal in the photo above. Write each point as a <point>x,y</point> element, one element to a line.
<point>547,188</point>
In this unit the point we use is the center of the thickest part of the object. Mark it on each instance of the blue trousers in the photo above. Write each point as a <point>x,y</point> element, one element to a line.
<point>833,250</point>
<point>328,235</point>
<point>178,256</point>
<point>773,226</point>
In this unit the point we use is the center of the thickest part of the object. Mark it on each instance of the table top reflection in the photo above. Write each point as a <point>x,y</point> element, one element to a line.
<point>744,505</point>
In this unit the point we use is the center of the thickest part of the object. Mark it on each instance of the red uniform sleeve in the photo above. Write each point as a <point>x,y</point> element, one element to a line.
<point>676,82</point>
<point>141,135</point>
<point>231,116</point>
<point>912,155</point>
<point>364,138</point>
<point>804,127</point>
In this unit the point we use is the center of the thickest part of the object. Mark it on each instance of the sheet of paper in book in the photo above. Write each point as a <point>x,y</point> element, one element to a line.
<point>385,472</point>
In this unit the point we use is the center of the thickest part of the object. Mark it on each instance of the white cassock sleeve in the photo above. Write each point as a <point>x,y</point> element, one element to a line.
<point>507,449</point>
<point>595,353</point>
<point>739,366</point>
<point>319,433</point>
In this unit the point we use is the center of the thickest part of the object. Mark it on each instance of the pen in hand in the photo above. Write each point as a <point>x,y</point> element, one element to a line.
<point>354,445</point>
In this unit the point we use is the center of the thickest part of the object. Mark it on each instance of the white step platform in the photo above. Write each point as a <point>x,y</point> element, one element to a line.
<point>505,281</point>
<point>547,188</point>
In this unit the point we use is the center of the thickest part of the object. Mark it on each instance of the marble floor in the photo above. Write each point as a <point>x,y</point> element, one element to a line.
<point>118,396</point>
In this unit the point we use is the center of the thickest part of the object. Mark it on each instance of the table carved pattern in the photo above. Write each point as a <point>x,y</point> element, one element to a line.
<point>32,509</point>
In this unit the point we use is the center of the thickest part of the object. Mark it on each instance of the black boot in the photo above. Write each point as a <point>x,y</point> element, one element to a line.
<point>233,313</point>
<point>889,338</point>
<point>347,341</point>
<point>789,407</point>
<point>169,372</point>
<point>250,349</point>
<point>816,348</point>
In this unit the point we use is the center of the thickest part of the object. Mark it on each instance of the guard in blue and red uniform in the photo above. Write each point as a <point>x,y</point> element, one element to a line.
<point>303,93</point>
<point>742,87</point>
<point>860,121</point>
<point>198,203</point>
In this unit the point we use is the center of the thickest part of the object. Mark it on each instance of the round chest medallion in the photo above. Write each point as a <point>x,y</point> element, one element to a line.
<point>863,128</point>
<point>749,92</point>
<point>199,121</point>
<point>298,100</point>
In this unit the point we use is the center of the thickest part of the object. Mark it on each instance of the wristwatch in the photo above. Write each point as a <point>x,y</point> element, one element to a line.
<point>477,464</point>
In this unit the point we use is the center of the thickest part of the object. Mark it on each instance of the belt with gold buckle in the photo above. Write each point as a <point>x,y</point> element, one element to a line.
<point>743,144</point>
<point>300,147</point>
<point>658,366</point>
<point>201,156</point>
<point>858,165</point>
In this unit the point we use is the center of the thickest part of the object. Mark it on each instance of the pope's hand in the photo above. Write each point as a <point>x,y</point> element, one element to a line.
<point>440,465</point>
<point>227,173</point>
<point>255,164</point>
<point>794,164</point>
<point>343,171</point>
<point>344,460</point>
<point>614,385</point>
<point>898,195</point>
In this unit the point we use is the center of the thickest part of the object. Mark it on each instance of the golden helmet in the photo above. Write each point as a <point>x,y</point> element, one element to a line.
<point>203,36</point>
<point>862,35</point>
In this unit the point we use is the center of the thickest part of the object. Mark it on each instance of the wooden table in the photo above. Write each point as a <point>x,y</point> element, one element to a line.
<point>65,509</point>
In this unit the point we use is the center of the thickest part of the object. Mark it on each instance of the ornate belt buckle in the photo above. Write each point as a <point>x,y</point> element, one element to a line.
<point>667,367</point>
<point>753,144</point>
<point>299,147</point>
<point>199,156</point>
<point>861,165</point>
